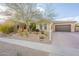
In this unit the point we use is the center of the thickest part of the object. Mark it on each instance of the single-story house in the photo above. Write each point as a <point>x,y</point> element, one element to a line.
<point>58,26</point>
<point>54,26</point>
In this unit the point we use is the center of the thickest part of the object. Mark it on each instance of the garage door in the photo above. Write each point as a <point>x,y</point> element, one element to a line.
<point>63,28</point>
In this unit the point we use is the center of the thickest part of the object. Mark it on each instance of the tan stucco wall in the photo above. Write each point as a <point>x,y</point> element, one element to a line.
<point>77,29</point>
<point>73,27</point>
<point>48,27</point>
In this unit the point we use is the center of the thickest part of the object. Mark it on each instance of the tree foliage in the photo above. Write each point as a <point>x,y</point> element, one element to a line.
<point>24,11</point>
<point>50,12</point>
<point>28,11</point>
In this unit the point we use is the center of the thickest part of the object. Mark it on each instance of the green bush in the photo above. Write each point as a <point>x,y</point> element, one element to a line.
<point>6,28</point>
<point>25,33</point>
<point>45,33</point>
<point>37,30</point>
<point>32,26</point>
<point>42,32</point>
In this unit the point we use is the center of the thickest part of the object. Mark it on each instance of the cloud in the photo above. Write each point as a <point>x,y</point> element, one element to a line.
<point>41,9</point>
<point>75,18</point>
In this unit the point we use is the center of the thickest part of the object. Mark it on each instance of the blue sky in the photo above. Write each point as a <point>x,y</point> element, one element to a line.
<point>64,10</point>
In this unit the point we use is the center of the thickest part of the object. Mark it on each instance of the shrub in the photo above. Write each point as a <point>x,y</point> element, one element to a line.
<point>32,26</point>
<point>6,28</point>
<point>45,33</point>
<point>10,29</point>
<point>42,37</point>
<point>37,30</point>
<point>25,33</point>
<point>42,32</point>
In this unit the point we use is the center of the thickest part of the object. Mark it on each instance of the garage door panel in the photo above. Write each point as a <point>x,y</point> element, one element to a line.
<point>63,28</point>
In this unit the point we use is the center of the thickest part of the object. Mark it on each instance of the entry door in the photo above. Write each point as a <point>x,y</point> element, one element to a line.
<point>63,28</point>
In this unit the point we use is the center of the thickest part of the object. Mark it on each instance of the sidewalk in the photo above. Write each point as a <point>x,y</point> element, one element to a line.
<point>33,45</point>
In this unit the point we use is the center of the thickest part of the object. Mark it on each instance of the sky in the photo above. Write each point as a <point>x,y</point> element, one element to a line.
<point>63,10</point>
<point>66,10</point>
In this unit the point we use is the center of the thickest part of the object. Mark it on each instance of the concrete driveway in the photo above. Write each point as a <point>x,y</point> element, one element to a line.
<point>65,43</point>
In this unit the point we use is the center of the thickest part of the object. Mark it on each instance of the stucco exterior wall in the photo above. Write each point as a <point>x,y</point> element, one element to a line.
<point>49,27</point>
<point>77,29</point>
<point>73,27</point>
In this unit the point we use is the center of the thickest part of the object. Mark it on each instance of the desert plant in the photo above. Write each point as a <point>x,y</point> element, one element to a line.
<point>42,37</point>
<point>42,32</point>
<point>25,33</point>
<point>6,28</point>
<point>45,33</point>
<point>32,26</point>
<point>10,29</point>
<point>37,30</point>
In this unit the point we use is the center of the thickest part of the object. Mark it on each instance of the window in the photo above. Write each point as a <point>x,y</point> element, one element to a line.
<point>45,26</point>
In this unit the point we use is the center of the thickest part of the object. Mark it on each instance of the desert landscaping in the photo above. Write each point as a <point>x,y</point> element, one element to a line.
<point>8,30</point>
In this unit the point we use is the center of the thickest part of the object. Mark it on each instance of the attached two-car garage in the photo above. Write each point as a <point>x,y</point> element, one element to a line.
<point>63,28</point>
